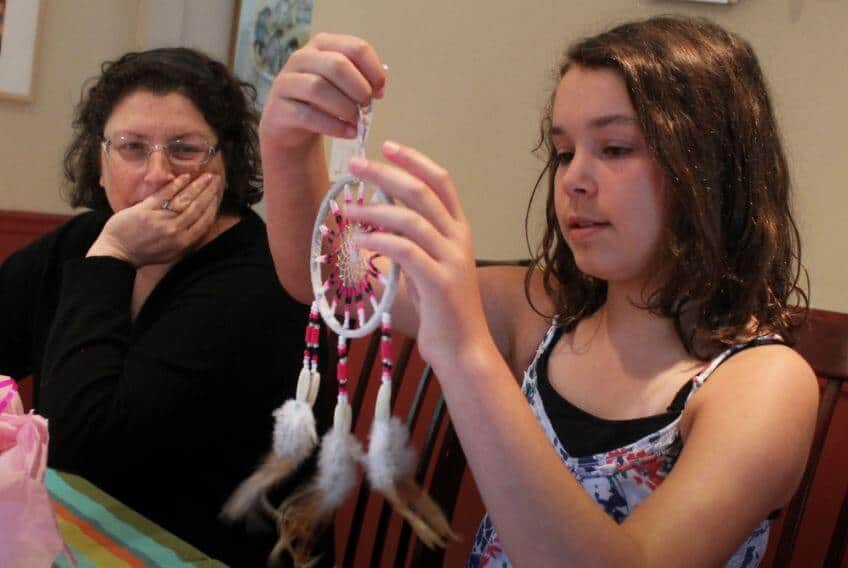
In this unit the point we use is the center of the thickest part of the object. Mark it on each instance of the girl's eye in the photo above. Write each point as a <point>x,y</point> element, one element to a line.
<point>617,151</point>
<point>564,158</point>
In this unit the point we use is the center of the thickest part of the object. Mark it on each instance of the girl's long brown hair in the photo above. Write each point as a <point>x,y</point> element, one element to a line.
<point>731,251</point>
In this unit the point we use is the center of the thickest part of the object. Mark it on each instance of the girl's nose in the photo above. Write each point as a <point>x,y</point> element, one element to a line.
<point>576,177</point>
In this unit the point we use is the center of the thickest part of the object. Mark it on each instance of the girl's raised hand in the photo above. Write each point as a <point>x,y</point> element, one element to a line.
<point>430,239</point>
<point>148,233</point>
<point>319,89</point>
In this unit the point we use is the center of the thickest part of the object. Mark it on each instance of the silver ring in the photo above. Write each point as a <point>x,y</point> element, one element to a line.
<point>166,206</point>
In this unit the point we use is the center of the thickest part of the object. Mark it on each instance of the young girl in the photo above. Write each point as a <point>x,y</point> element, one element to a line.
<point>660,419</point>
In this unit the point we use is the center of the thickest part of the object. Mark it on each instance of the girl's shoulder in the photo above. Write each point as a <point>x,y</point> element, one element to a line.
<point>756,411</point>
<point>761,363</point>
<point>771,378</point>
<point>518,315</point>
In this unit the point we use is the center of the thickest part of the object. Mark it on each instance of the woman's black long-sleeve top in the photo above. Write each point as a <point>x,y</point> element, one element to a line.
<point>170,411</point>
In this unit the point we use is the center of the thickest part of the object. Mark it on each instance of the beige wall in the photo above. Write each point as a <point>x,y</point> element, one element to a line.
<point>468,79</point>
<point>74,38</point>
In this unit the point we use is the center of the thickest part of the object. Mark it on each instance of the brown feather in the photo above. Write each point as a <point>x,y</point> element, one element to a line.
<point>422,513</point>
<point>300,519</point>
<point>246,498</point>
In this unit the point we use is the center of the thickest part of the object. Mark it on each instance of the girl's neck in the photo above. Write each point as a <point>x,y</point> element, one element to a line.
<point>633,341</point>
<point>624,320</point>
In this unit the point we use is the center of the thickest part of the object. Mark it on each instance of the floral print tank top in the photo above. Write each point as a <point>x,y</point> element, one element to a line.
<point>620,479</point>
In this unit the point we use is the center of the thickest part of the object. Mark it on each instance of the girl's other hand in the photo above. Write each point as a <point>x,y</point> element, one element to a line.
<point>147,233</point>
<point>319,90</point>
<point>430,239</point>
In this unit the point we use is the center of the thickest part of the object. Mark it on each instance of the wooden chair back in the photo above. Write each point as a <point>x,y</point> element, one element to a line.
<point>823,342</point>
<point>441,465</point>
<point>439,454</point>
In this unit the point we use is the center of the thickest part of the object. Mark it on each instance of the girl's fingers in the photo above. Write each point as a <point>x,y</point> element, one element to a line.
<point>306,117</point>
<point>428,171</point>
<point>361,54</point>
<point>418,266</point>
<point>406,188</point>
<point>403,222</point>
<point>313,92</point>
<point>321,73</point>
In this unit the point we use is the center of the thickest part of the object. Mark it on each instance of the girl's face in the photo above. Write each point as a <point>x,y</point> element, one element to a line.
<point>609,190</point>
<point>143,116</point>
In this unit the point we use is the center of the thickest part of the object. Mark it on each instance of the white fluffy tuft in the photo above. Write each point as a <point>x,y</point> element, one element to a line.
<point>337,463</point>
<point>390,457</point>
<point>294,430</point>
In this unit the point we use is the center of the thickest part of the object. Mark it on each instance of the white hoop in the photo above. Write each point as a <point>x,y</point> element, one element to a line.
<point>319,289</point>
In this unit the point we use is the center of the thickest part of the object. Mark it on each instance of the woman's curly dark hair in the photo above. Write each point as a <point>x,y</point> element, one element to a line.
<point>731,253</point>
<point>225,102</point>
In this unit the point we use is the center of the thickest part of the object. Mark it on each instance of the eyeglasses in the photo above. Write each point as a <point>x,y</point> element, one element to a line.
<point>189,152</point>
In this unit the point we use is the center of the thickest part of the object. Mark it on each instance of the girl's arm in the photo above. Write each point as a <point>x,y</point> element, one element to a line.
<point>317,93</point>
<point>747,435</point>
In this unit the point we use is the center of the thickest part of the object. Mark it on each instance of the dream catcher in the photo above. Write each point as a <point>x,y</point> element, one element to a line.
<point>345,284</point>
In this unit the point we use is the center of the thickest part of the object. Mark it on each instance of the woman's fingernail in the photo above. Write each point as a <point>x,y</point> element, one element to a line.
<point>358,162</point>
<point>390,147</point>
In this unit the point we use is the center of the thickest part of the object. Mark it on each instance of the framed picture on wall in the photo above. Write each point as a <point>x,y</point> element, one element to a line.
<point>19,23</point>
<point>265,33</point>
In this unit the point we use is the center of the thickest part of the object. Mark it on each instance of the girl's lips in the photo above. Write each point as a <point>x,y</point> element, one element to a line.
<point>582,230</point>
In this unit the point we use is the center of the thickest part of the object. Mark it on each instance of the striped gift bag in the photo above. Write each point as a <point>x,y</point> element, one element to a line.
<point>103,532</point>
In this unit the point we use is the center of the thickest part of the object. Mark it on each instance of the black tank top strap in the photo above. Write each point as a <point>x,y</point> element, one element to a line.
<point>684,393</point>
<point>767,339</point>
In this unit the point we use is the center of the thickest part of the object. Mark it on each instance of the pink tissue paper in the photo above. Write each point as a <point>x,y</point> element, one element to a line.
<point>29,536</point>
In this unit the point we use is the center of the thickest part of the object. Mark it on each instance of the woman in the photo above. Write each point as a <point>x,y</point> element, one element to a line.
<point>661,418</point>
<point>157,332</point>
